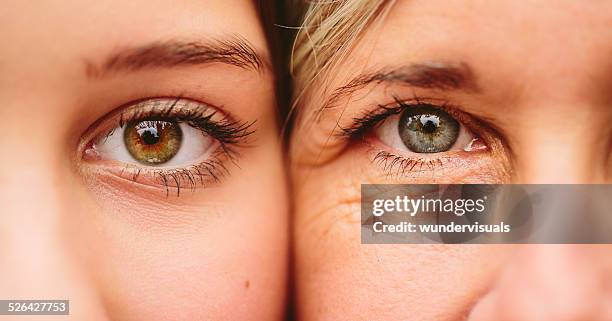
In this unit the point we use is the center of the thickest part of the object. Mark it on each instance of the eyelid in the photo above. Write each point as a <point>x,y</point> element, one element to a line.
<point>396,163</point>
<point>180,108</point>
<point>211,121</point>
<point>370,119</point>
<point>122,114</point>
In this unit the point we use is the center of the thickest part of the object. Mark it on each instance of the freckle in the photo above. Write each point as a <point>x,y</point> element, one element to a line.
<point>247,284</point>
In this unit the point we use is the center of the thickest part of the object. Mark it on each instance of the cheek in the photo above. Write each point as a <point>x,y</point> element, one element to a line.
<point>216,253</point>
<point>220,266</point>
<point>339,278</point>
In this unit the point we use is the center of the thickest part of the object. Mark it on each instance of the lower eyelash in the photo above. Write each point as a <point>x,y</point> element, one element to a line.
<point>395,165</point>
<point>211,170</point>
<point>392,164</point>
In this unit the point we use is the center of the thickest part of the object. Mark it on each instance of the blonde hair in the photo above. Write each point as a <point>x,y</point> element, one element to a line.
<point>328,32</point>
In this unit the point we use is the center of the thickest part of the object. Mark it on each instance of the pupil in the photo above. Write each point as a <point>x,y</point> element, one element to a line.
<point>150,136</point>
<point>429,127</point>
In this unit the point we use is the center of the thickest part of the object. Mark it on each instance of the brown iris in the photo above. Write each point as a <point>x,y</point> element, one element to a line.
<point>153,142</point>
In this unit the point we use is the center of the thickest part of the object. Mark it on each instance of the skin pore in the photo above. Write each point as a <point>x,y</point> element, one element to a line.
<point>123,239</point>
<point>530,81</point>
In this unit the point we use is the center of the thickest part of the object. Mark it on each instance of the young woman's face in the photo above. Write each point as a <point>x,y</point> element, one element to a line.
<point>523,90</point>
<point>141,171</point>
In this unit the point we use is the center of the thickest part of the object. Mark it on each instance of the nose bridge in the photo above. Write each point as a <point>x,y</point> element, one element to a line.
<point>38,259</point>
<point>559,142</point>
<point>566,279</point>
<point>575,266</point>
<point>34,163</point>
<point>39,264</point>
<point>34,256</point>
<point>30,183</point>
<point>557,161</point>
<point>38,199</point>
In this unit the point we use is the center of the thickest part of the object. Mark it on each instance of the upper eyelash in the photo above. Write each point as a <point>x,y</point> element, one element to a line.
<point>392,164</point>
<point>361,125</point>
<point>227,131</point>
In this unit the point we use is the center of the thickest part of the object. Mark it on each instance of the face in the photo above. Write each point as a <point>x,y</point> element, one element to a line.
<point>455,92</point>
<point>141,171</point>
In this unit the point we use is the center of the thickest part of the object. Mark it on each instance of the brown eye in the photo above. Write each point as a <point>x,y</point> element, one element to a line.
<point>153,142</point>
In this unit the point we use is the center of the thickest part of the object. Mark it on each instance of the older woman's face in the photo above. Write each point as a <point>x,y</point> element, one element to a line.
<point>134,135</point>
<point>525,90</point>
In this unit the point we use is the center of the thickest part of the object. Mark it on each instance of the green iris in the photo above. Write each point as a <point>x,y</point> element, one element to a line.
<point>426,129</point>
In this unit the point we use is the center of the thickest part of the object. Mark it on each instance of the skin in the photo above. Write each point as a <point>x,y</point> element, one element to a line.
<point>116,249</point>
<point>548,99</point>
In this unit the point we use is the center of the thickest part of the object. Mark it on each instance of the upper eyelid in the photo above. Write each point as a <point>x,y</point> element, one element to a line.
<point>426,75</point>
<point>357,126</point>
<point>119,113</point>
<point>175,106</point>
<point>141,107</point>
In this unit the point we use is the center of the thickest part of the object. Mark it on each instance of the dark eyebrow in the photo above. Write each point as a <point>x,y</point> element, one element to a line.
<point>424,75</point>
<point>234,51</point>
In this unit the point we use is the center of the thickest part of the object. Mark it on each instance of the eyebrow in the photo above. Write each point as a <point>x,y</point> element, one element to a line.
<point>234,51</point>
<point>439,76</point>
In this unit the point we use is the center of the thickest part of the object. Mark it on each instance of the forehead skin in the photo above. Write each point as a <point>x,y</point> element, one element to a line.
<point>567,44</point>
<point>65,31</point>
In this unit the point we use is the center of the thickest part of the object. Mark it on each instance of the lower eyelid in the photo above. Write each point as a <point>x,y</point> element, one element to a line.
<point>374,143</point>
<point>449,168</point>
<point>171,181</point>
<point>395,164</point>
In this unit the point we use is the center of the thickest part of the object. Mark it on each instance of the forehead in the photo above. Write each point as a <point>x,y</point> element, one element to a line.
<point>490,31</point>
<point>563,47</point>
<point>61,28</point>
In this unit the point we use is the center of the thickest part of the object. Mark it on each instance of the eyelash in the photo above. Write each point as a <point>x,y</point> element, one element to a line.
<point>229,133</point>
<point>361,125</point>
<point>393,164</point>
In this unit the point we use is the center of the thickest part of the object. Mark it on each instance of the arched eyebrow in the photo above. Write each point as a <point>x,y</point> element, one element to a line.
<point>235,51</point>
<point>441,76</point>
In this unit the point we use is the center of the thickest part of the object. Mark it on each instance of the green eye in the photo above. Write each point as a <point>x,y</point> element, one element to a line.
<point>425,129</point>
